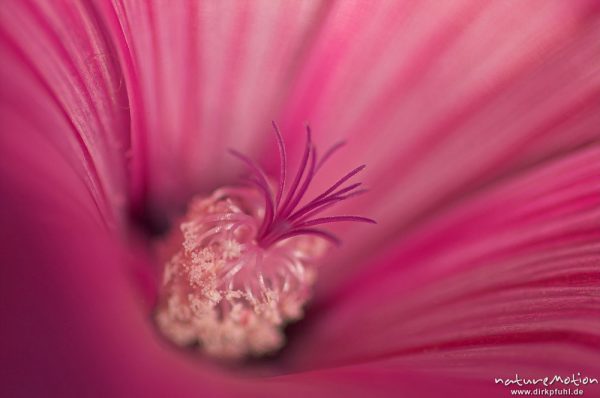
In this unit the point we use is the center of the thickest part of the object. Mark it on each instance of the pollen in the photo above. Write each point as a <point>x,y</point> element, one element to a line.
<point>243,260</point>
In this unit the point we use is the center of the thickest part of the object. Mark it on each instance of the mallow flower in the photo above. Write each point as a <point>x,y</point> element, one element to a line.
<point>150,245</point>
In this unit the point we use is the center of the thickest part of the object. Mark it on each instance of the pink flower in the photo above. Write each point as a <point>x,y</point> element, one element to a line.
<point>479,122</point>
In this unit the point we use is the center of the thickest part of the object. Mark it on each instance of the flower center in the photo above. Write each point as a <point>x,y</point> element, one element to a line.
<point>244,260</point>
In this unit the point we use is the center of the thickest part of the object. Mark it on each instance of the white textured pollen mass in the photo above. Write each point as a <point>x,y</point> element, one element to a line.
<point>223,293</point>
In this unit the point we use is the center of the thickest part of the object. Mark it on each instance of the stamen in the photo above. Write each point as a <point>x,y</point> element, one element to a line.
<point>243,261</point>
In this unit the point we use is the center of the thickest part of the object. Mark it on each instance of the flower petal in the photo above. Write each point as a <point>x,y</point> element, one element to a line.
<point>442,100</point>
<point>62,92</point>
<point>502,282</point>
<point>205,76</point>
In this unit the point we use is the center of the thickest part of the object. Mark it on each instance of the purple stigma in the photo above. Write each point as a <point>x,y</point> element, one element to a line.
<point>284,217</point>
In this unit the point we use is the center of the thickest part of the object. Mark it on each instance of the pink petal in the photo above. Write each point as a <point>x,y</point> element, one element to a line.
<point>63,95</point>
<point>202,77</point>
<point>501,283</point>
<point>441,100</point>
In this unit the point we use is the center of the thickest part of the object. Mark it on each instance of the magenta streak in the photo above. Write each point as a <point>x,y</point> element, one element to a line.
<point>282,164</point>
<point>327,220</point>
<point>328,154</point>
<point>341,181</point>
<point>263,184</point>
<point>307,181</point>
<point>334,197</point>
<point>300,171</point>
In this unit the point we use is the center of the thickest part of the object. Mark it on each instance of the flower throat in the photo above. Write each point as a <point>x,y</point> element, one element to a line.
<point>243,261</point>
